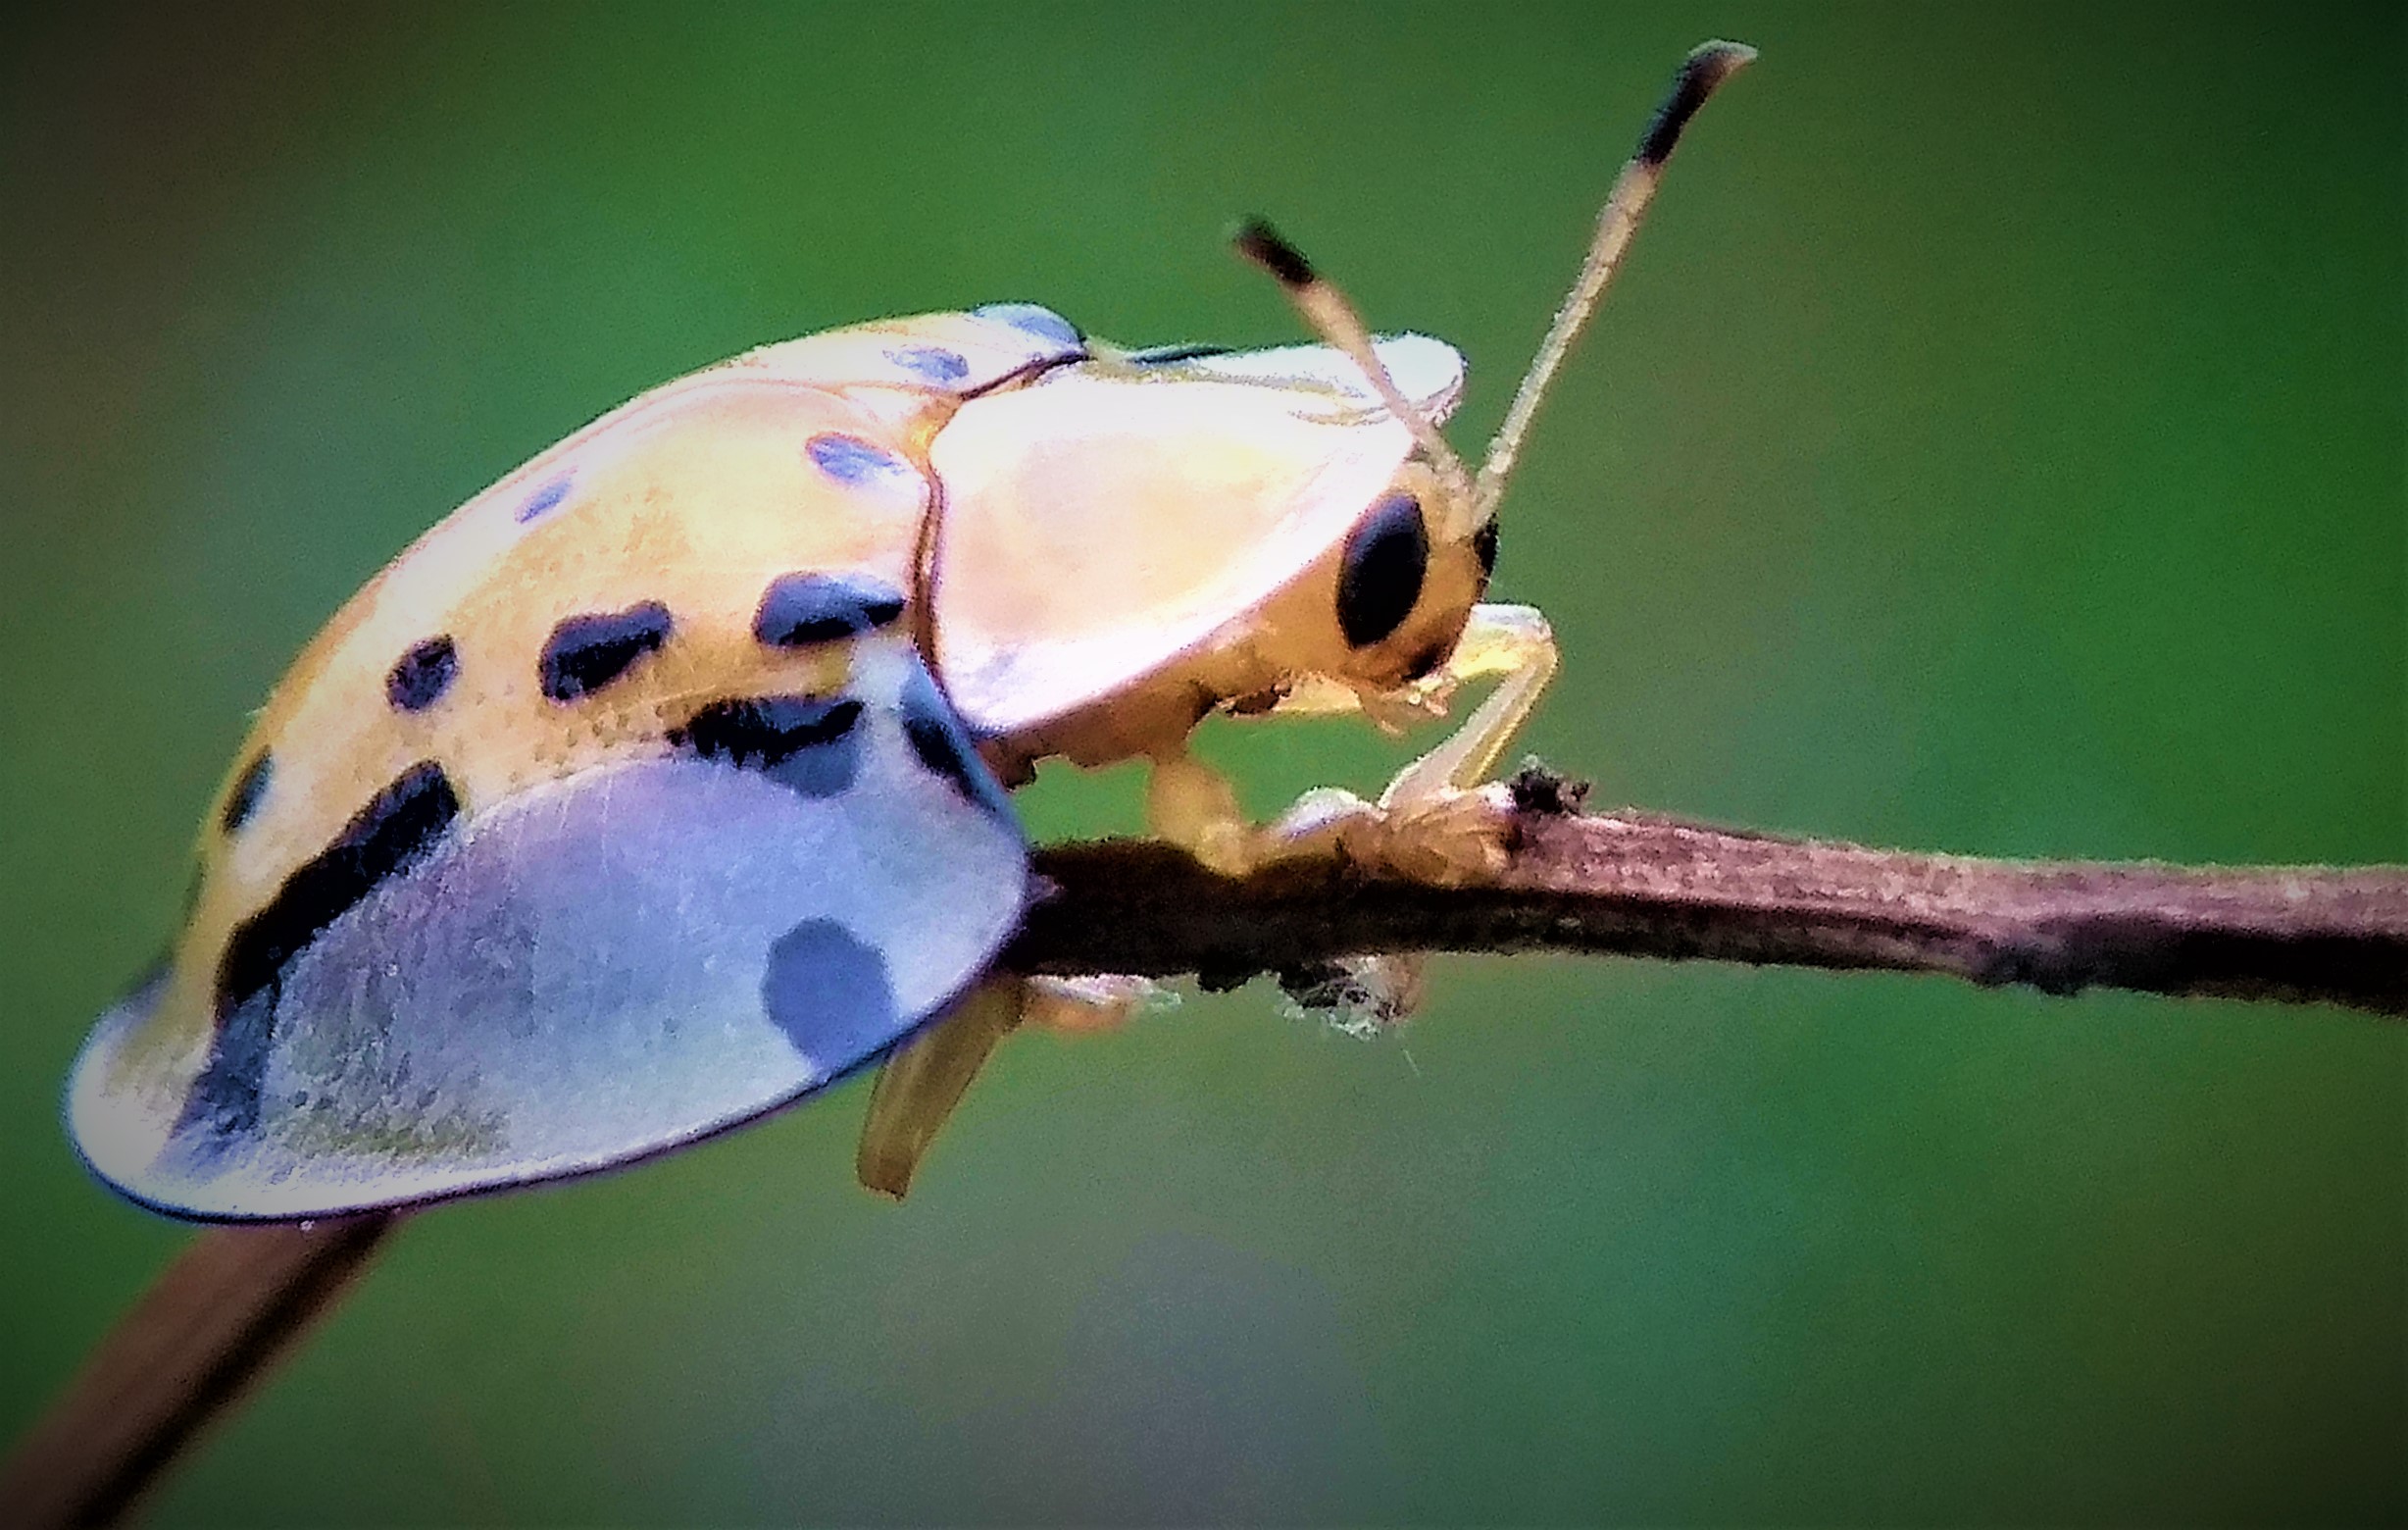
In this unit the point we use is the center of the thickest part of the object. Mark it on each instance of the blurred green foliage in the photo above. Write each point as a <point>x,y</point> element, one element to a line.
<point>1996,444</point>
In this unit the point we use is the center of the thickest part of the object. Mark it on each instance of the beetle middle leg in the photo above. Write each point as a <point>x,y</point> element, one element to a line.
<point>1439,820</point>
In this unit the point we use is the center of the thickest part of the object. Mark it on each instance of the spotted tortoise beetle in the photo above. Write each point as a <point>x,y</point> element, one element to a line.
<point>662,782</point>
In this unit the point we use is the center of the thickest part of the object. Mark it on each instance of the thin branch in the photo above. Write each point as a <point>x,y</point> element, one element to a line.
<point>1626,884</point>
<point>1643,885</point>
<point>234,1303</point>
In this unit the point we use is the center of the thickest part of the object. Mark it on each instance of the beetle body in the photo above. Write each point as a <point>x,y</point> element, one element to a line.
<point>626,805</point>
<point>662,783</point>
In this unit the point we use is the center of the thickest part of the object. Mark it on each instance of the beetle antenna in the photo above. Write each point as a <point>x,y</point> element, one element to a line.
<point>1332,317</point>
<point>1708,65</point>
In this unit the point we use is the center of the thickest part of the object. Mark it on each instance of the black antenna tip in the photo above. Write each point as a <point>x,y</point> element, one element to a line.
<point>1708,65</point>
<point>1261,243</point>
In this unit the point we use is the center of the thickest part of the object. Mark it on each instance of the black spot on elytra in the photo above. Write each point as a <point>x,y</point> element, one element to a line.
<point>249,786</point>
<point>805,743</point>
<point>1379,574</point>
<point>1484,547</point>
<point>829,991</point>
<point>943,745</point>
<point>584,653</point>
<point>384,838</point>
<point>1167,355</point>
<point>800,609</point>
<point>418,678</point>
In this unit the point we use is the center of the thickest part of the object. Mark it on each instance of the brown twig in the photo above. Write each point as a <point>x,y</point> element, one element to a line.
<point>235,1301</point>
<point>1643,885</point>
<point>1627,883</point>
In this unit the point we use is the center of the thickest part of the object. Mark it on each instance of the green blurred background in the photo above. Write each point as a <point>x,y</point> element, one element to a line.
<point>1996,444</point>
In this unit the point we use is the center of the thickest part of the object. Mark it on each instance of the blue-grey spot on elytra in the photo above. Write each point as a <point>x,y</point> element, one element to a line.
<point>249,786</point>
<point>942,742</point>
<point>384,838</point>
<point>848,459</point>
<point>932,362</point>
<point>806,743</point>
<point>420,677</point>
<point>798,609</point>
<point>827,990</point>
<point>546,499</point>
<point>584,653</point>
<point>1033,318</point>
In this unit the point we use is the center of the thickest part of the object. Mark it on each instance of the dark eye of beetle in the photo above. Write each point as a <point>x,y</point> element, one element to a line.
<point>1380,578</point>
<point>1483,546</point>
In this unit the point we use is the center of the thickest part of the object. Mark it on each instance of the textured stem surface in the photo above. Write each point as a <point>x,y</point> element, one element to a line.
<point>1641,884</point>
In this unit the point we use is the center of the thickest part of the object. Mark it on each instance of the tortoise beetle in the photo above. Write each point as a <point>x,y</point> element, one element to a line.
<point>662,782</point>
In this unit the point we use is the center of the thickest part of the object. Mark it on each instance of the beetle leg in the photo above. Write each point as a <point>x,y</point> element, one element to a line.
<point>1442,819</point>
<point>1098,1001</point>
<point>1437,821</point>
<point>923,1079</point>
<point>1512,642</point>
<point>1509,641</point>
<point>1192,805</point>
<point>922,1082</point>
<point>1194,808</point>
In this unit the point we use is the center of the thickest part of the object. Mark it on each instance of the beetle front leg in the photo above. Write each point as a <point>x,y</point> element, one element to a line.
<point>1436,821</point>
<point>1511,641</point>
<point>1440,820</point>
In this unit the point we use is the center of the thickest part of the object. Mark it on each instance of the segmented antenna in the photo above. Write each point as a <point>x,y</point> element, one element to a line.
<point>1332,317</point>
<point>1708,65</point>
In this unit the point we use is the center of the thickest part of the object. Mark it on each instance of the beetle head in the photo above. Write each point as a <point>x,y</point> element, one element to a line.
<point>1420,557</point>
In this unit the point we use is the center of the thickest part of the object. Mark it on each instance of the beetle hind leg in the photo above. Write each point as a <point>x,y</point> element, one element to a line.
<point>922,1082</point>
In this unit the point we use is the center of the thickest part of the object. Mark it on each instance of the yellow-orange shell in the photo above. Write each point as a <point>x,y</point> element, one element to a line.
<point>695,495</point>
